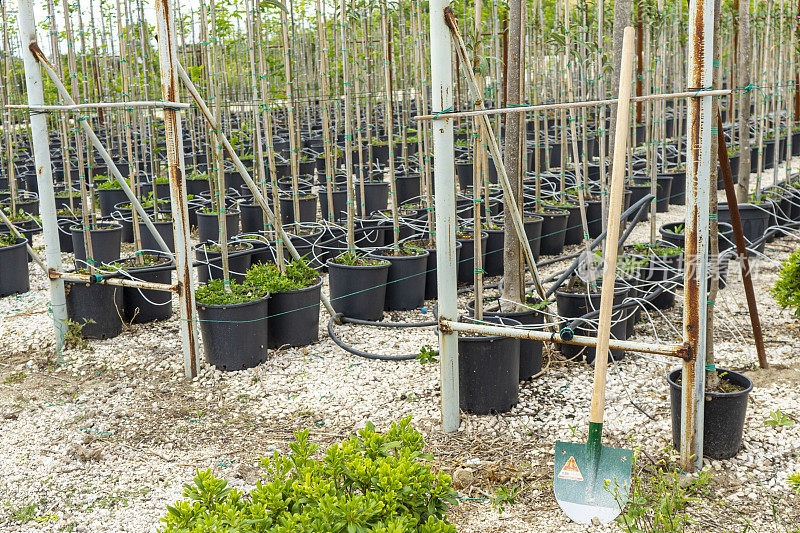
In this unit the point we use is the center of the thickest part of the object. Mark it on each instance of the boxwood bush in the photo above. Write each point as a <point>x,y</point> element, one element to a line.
<point>370,482</point>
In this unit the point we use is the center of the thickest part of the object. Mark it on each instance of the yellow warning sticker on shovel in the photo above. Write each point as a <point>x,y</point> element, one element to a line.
<point>571,470</point>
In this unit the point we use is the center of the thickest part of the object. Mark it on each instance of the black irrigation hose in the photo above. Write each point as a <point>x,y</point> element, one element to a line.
<point>363,354</point>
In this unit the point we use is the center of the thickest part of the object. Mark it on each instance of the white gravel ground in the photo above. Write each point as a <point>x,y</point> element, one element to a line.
<point>102,438</point>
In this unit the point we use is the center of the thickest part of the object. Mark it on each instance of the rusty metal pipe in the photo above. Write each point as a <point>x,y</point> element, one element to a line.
<point>571,105</point>
<point>168,61</point>
<point>119,282</point>
<point>564,337</point>
<point>741,248</point>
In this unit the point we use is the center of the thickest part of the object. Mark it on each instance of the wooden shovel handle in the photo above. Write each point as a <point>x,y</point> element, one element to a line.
<point>612,235</point>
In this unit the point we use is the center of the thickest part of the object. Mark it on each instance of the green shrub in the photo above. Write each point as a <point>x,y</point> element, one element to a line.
<point>297,275</point>
<point>787,289</point>
<point>370,482</point>
<point>109,185</point>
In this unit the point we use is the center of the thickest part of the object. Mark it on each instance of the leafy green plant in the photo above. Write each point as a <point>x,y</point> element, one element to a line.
<point>357,259</point>
<point>198,176</point>
<point>794,481</point>
<point>777,418</point>
<point>787,289</point>
<point>658,503</point>
<point>214,293</point>
<point>73,338</point>
<point>657,249</point>
<point>297,275</point>
<point>504,496</point>
<point>369,482</point>
<point>7,239</point>
<point>427,355</point>
<point>109,185</point>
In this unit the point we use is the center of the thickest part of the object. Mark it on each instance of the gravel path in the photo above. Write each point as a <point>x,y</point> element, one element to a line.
<point>102,437</point>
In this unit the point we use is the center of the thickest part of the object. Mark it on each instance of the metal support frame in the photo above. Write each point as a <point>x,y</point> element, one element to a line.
<point>698,193</point>
<point>44,170</point>
<point>168,64</point>
<point>100,105</point>
<point>693,350</point>
<point>118,282</point>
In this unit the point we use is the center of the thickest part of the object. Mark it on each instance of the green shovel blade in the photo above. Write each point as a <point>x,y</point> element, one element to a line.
<point>591,481</point>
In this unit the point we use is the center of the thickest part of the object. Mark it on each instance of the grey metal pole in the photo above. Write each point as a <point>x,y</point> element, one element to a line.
<point>44,177</point>
<point>168,64</point>
<point>698,191</point>
<point>445,198</point>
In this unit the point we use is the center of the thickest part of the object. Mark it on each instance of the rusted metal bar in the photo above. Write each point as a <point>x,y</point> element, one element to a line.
<point>741,248</point>
<point>119,282</point>
<point>564,337</point>
<point>570,105</point>
<point>698,192</point>
<point>100,105</point>
<point>168,65</point>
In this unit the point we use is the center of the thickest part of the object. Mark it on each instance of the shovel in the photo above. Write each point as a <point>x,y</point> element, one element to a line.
<point>591,481</point>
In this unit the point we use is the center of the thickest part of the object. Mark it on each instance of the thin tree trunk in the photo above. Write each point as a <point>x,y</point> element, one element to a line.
<point>743,59</point>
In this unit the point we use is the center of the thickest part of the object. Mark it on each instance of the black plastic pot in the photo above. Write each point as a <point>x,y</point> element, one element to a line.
<point>65,233</point>
<point>430,272</point>
<point>108,198</point>
<point>208,225</point>
<point>339,204</point>
<point>724,415</point>
<point>466,263</point>
<point>533,231</point>
<point>488,371</point>
<point>554,231</point>
<point>235,337</point>
<point>376,196</point>
<point>14,269</point>
<point>530,351</point>
<point>677,194</point>
<point>145,305</point>
<point>358,291</point>
<point>407,188</point>
<point>573,233</point>
<point>210,266</point>
<point>308,209</point>
<point>106,243</point>
<point>575,305</point>
<point>755,221</point>
<point>164,229</point>
<point>663,191</point>
<point>252,217</point>
<point>294,317</point>
<point>97,308</point>
<point>493,254</point>
<point>405,283</point>
<point>195,187</point>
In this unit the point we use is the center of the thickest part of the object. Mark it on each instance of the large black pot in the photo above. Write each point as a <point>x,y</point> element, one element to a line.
<point>235,337</point>
<point>677,195</point>
<point>108,198</point>
<point>493,263</point>
<point>146,305</point>
<point>210,262</point>
<point>663,191</point>
<point>376,196</point>
<point>208,225</point>
<point>339,203</point>
<point>554,231</point>
<point>466,263</point>
<point>252,218</point>
<point>530,351</point>
<point>488,371</point>
<point>164,229</point>
<point>308,209</point>
<point>294,317</point>
<point>96,308</point>
<point>358,291</point>
<point>533,231</point>
<point>405,283</point>
<point>431,284</point>
<point>575,305</point>
<point>14,268</point>
<point>755,221</point>
<point>407,188</point>
<point>724,415</point>
<point>106,243</point>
